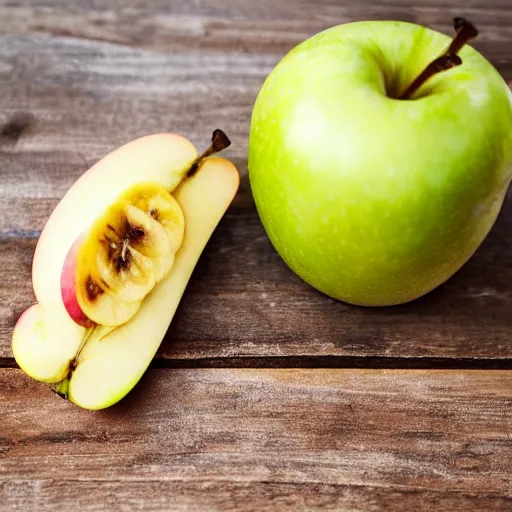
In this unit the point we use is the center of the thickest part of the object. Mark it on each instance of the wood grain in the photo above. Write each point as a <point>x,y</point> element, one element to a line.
<point>80,96</point>
<point>155,495</point>
<point>211,439</point>
<point>79,111</point>
<point>245,26</point>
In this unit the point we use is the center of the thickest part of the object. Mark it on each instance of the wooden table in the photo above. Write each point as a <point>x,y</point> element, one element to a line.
<point>265,395</point>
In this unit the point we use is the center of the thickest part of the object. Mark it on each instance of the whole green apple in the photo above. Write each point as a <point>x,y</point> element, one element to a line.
<point>371,194</point>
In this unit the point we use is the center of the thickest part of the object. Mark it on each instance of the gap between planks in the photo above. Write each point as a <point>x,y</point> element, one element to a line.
<point>318,362</point>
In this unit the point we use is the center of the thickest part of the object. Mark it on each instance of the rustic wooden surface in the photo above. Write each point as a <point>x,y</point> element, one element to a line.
<point>78,79</point>
<point>232,439</point>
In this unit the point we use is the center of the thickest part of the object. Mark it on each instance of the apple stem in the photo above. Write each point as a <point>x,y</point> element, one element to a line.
<point>465,31</point>
<point>442,63</point>
<point>220,141</point>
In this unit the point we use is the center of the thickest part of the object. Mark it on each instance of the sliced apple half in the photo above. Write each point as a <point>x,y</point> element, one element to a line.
<point>124,265</point>
<point>108,367</point>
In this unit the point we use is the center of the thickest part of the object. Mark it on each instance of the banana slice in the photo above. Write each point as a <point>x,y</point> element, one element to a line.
<point>124,255</point>
<point>157,202</point>
<point>97,305</point>
<point>154,244</point>
<point>123,252</point>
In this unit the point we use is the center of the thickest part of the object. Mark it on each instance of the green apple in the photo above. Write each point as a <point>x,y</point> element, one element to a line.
<point>372,194</point>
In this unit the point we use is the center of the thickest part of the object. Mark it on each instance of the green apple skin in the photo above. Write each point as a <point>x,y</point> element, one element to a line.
<point>370,199</point>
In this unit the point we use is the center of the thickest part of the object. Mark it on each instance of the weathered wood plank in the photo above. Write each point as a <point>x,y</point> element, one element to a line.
<point>265,26</point>
<point>254,438</point>
<point>83,99</point>
<point>183,496</point>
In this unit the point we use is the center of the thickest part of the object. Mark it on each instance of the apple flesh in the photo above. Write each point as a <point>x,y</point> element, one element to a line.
<point>45,342</point>
<point>68,286</point>
<point>371,199</point>
<point>55,258</point>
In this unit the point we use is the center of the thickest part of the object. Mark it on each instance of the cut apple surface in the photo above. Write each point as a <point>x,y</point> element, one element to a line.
<point>45,341</point>
<point>124,265</point>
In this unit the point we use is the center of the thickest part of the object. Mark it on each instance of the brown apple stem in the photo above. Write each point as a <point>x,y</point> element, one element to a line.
<point>442,63</point>
<point>465,31</point>
<point>220,141</point>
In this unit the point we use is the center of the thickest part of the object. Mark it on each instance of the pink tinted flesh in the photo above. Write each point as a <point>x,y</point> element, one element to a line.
<point>68,287</point>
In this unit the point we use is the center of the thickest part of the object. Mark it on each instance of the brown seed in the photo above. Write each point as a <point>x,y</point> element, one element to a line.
<point>136,233</point>
<point>92,289</point>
